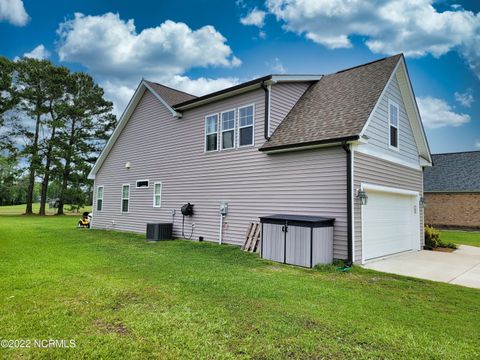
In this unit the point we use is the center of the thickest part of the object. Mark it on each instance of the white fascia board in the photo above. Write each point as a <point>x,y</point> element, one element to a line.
<point>174,113</point>
<point>296,78</point>
<point>127,113</point>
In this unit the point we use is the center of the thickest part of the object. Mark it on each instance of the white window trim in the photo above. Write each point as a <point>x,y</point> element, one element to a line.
<point>243,127</point>
<point>205,133</point>
<point>397,148</point>
<point>234,129</point>
<point>154,194</point>
<point>97,198</point>
<point>122,198</point>
<point>142,187</point>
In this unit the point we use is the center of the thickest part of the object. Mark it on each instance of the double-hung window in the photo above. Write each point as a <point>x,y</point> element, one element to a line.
<point>393,122</point>
<point>157,194</point>
<point>228,129</point>
<point>211,131</point>
<point>125,197</point>
<point>245,125</point>
<point>99,198</point>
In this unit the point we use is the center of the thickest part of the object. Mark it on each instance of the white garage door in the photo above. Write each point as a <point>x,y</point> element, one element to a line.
<point>391,224</point>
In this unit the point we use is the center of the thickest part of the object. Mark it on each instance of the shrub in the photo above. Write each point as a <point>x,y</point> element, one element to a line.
<point>433,240</point>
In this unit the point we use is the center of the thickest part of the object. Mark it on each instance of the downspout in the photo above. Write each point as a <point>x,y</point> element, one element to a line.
<point>266,125</point>
<point>347,149</point>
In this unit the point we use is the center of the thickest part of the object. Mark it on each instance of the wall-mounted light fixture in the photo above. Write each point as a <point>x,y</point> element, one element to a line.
<point>362,196</point>
<point>128,165</point>
<point>422,202</point>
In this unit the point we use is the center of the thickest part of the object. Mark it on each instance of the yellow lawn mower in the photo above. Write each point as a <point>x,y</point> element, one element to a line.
<point>85,221</point>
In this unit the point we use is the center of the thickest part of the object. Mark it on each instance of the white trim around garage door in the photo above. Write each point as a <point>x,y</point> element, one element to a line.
<point>391,190</point>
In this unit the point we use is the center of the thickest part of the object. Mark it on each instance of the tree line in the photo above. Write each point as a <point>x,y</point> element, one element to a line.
<point>53,124</point>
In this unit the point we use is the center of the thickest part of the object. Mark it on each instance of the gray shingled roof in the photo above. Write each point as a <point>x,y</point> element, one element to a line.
<point>454,172</point>
<point>335,107</point>
<point>171,96</point>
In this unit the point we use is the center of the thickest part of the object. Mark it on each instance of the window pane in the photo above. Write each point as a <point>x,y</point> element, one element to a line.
<point>157,200</point>
<point>100,193</point>
<point>246,136</point>
<point>99,205</point>
<point>393,136</point>
<point>211,124</point>
<point>142,183</point>
<point>393,115</point>
<point>246,116</point>
<point>228,120</point>
<point>227,139</point>
<point>125,205</point>
<point>158,188</point>
<point>125,191</point>
<point>211,142</point>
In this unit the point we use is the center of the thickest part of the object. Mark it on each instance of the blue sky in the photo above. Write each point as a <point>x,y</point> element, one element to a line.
<point>202,46</point>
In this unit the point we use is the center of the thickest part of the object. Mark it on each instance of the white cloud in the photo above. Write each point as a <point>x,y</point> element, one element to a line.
<point>437,113</point>
<point>255,17</point>
<point>413,27</point>
<point>14,12</point>
<point>477,144</point>
<point>39,53</point>
<point>277,66</point>
<point>118,56</point>
<point>465,99</point>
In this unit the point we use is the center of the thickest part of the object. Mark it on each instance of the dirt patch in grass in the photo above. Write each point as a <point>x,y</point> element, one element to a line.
<point>106,327</point>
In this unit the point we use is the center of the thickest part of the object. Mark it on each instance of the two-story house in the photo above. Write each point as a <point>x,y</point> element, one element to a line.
<point>348,145</point>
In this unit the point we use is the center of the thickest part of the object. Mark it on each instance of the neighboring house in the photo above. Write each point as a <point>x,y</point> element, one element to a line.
<point>452,190</point>
<point>294,144</point>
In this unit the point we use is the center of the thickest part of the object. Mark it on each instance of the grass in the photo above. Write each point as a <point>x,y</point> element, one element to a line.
<point>471,238</point>
<point>20,209</point>
<point>118,296</point>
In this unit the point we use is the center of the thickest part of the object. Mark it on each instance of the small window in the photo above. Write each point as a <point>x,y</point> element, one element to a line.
<point>245,125</point>
<point>393,120</point>
<point>99,198</point>
<point>142,184</point>
<point>211,132</point>
<point>125,197</point>
<point>228,129</point>
<point>157,194</point>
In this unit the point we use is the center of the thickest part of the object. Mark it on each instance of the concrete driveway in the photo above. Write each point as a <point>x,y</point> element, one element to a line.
<point>461,267</point>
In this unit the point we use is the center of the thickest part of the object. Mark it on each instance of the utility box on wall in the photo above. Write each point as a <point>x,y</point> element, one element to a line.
<point>297,239</point>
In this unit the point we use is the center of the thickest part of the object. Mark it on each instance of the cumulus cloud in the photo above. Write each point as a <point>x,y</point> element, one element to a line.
<point>277,66</point>
<point>413,27</point>
<point>255,17</point>
<point>118,56</point>
<point>465,99</point>
<point>39,53</point>
<point>14,12</point>
<point>437,113</point>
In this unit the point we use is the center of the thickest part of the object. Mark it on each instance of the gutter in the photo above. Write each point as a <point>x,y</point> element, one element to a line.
<point>348,151</point>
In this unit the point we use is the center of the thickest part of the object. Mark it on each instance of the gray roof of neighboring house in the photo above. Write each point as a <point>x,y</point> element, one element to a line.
<point>453,172</point>
<point>334,108</point>
<point>171,96</point>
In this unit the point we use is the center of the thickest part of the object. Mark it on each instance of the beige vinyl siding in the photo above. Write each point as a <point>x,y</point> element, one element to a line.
<point>378,128</point>
<point>283,97</point>
<point>162,148</point>
<point>372,170</point>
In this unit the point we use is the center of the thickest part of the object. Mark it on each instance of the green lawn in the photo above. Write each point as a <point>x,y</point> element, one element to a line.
<point>118,296</point>
<point>471,238</point>
<point>20,209</point>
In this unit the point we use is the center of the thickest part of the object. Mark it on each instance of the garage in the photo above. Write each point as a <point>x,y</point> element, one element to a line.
<point>391,221</point>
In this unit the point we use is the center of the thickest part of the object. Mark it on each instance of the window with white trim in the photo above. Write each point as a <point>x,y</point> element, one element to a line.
<point>99,198</point>
<point>211,132</point>
<point>228,129</point>
<point>157,194</point>
<point>245,125</point>
<point>142,184</point>
<point>125,197</point>
<point>393,121</point>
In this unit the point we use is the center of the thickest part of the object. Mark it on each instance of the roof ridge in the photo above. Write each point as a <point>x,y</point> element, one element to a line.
<point>366,64</point>
<point>458,152</point>
<point>169,87</point>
